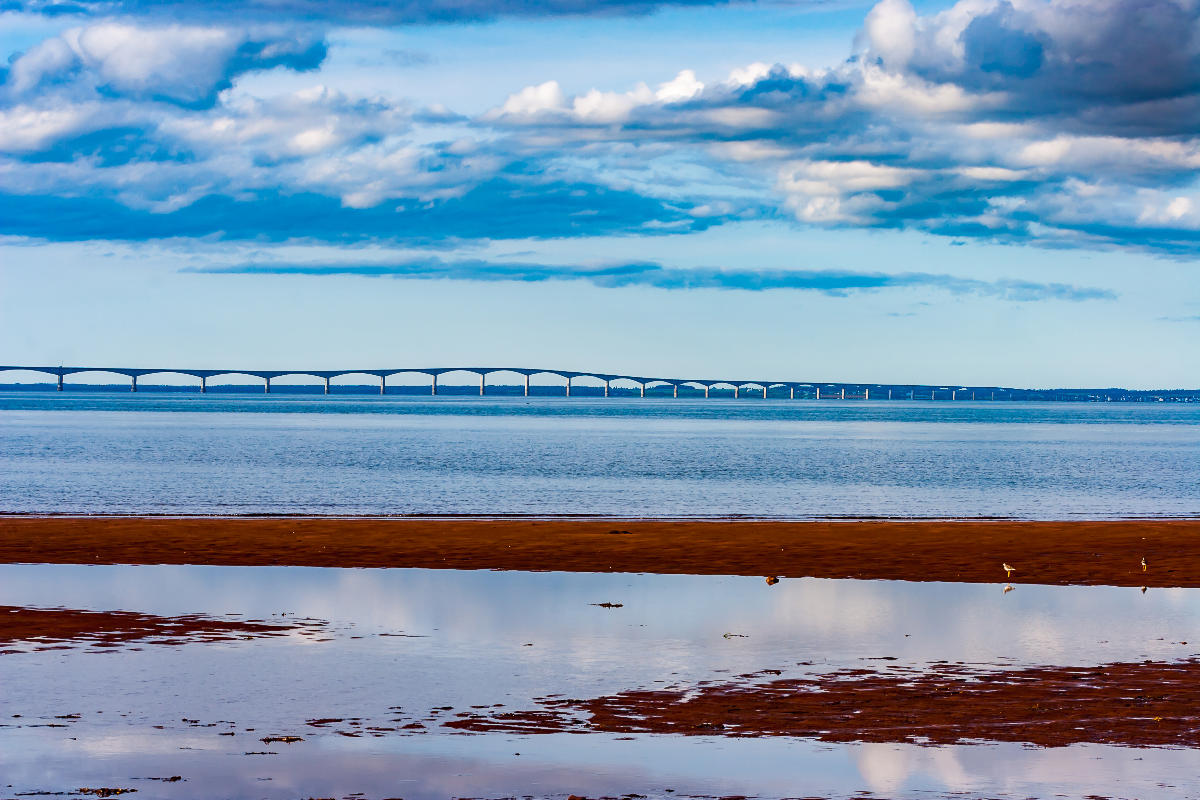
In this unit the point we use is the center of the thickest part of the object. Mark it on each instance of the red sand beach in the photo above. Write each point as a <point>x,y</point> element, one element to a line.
<point>1084,552</point>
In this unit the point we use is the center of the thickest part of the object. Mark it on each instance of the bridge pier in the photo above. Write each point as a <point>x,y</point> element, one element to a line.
<point>643,390</point>
<point>60,381</point>
<point>818,392</point>
<point>568,387</point>
<point>866,394</point>
<point>133,383</point>
<point>266,385</point>
<point>327,384</point>
<point>764,393</point>
<point>203,384</point>
<point>953,394</point>
<point>433,385</point>
<point>706,388</point>
<point>482,380</point>
<point>606,388</point>
<point>675,391</point>
<point>843,392</point>
<point>382,384</point>
<point>791,393</point>
<point>737,392</point>
<point>527,385</point>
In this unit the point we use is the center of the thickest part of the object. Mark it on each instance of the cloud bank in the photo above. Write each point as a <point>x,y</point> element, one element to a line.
<point>839,283</point>
<point>1059,123</point>
<point>354,12</point>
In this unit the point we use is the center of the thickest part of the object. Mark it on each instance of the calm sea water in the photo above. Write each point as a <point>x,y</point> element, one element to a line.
<point>187,454</point>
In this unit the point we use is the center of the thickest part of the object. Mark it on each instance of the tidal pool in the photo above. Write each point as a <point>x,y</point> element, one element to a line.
<point>385,657</point>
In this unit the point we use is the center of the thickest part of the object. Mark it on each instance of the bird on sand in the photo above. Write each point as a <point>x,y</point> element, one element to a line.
<point>1008,587</point>
<point>772,580</point>
<point>1144,564</point>
<point>1008,570</point>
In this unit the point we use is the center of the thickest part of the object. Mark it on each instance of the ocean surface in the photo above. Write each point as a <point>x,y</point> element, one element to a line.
<point>100,453</point>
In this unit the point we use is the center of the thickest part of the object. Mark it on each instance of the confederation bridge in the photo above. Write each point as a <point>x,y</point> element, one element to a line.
<point>739,388</point>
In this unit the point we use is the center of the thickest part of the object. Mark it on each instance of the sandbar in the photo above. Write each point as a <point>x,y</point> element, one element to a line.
<point>1101,552</point>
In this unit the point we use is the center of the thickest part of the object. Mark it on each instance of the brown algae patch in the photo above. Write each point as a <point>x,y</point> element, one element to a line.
<point>59,628</point>
<point>1151,703</point>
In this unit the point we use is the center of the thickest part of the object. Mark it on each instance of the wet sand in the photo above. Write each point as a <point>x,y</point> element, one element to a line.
<point>1083,552</point>
<point>57,628</point>
<point>1129,704</point>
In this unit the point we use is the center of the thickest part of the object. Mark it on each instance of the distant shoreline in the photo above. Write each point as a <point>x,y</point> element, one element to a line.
<point>1092,552</point>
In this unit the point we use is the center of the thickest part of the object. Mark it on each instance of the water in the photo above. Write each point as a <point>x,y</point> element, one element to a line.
<point>480,638</point>
<point>187,454</point>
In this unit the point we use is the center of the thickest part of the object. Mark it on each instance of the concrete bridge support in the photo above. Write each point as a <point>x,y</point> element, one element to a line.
<point>866,394</point>
<point>737,392</point>
<point>327,379</point>
<point>643,390</point>
<point>792,393</point>
<point>706,388</point>
<point>60,381</point>
<point>527,386</point>
<point>482,382</point>
<point>382,384</point>
<point>266,385</point>
<point>675,390</point>
<point>568,387</point>
<point>433,385</point>
<point>133,383</point>
<point>953,394</point>
<point>203,385</point>
<point>607,388</point>
<point>764,393</point>
<point>843,392</point>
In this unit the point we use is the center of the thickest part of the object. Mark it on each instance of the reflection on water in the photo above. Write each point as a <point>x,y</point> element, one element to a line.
<point>487,638</point>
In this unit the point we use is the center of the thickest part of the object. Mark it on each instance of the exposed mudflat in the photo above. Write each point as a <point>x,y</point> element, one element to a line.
<point>966,551</point>
<point>24,628</point>
<point>1128,704</point>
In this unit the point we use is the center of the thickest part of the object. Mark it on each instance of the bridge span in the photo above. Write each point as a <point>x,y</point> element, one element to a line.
<point>820,390</point>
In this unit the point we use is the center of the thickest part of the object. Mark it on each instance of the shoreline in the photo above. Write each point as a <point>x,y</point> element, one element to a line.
<point>1084,552</point>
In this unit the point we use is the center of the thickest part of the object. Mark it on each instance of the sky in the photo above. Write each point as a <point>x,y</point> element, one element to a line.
<point>988,192</point>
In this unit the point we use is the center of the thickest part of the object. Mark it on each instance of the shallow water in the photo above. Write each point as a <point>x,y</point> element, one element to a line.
<point>481,638</point>
<point>187,454</point>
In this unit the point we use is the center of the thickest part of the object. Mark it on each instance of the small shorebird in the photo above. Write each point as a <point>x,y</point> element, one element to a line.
<point>1008,570</point>
<point>1008,587</point>
<point>1144,564</point>
<point>772,580</point>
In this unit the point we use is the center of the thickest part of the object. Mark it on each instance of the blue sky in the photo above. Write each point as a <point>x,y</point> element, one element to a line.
<point>988,191</point>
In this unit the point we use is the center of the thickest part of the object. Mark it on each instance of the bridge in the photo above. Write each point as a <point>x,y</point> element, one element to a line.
<point>803,389</point>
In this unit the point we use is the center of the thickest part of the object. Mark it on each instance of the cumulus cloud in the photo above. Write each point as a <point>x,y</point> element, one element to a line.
<point>839,283</point>
<point>1059,122</point>
<point>185,65</point>
<point>1064,123</point>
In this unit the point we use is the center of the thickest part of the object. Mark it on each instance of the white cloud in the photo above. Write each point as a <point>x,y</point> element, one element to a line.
<point>683,87</point>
